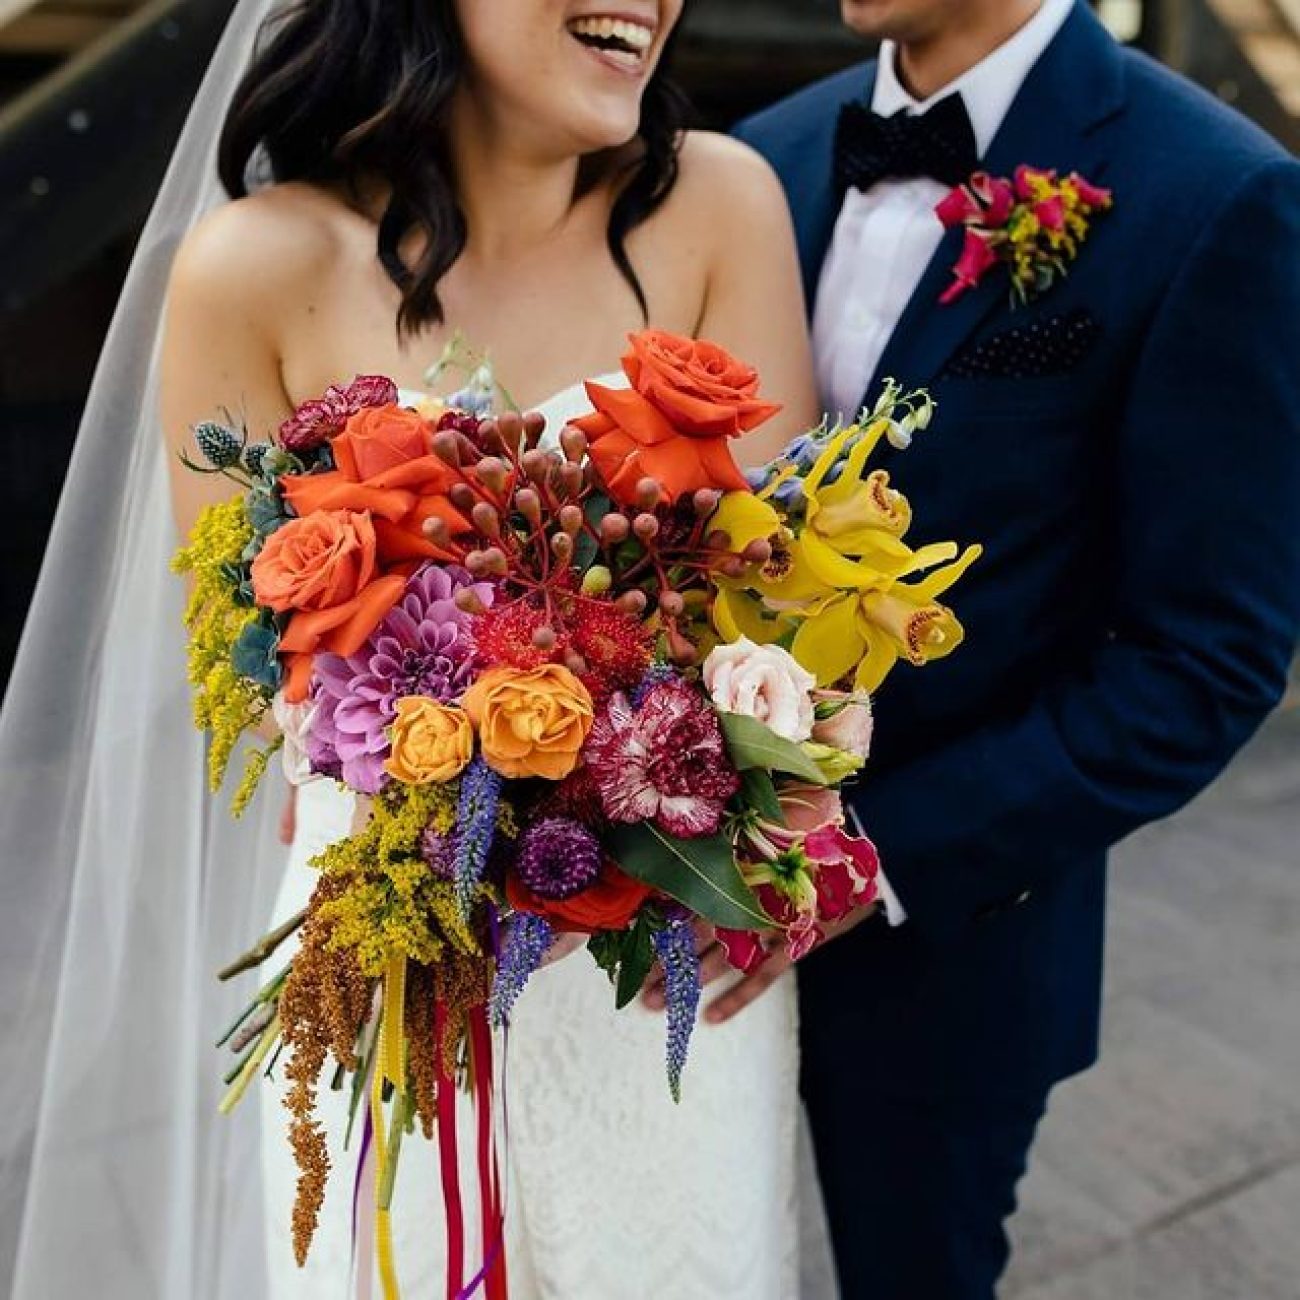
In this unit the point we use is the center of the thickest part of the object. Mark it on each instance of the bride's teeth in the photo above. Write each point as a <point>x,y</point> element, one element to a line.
<point>634,35</point>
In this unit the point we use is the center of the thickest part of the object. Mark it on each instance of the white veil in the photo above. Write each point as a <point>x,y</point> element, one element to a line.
<point>124,885</point>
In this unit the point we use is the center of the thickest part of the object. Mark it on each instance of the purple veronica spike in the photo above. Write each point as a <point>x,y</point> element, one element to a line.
<point>527,939</point>
<point>476,823</point>
<point>675,947</point>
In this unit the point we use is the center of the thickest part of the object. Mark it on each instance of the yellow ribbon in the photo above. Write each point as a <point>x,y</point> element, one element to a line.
<point>389,1066</point>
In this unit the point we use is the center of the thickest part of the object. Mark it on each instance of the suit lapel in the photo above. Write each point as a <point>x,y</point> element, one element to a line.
<point>1074,87</point>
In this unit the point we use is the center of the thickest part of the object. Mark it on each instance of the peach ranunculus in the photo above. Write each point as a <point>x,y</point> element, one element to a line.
<point>688,397</point>
<point>385,465</point>
<point>531,723</point>
<point>323,571</point>
<point>431,741</point>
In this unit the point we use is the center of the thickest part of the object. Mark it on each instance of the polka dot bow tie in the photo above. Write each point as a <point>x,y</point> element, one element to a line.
<point>939,143</point>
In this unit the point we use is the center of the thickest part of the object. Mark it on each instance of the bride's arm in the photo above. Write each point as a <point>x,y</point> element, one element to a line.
<point>219,347</point>
<point>754,304</point>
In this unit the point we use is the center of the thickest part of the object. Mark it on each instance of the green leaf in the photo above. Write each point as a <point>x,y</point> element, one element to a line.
<point>606,948</point>
<point>753,744</point>
<point>594,509</point>
<point>638,957</point>
<point>701,873</point>
<point>758,791</point>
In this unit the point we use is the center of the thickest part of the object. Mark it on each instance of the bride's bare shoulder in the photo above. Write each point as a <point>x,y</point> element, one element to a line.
<point>262,247</point>
<point>717,173</point>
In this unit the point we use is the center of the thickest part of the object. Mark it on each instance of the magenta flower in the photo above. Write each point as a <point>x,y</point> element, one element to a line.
<point>422,647</point>
<point>808,873</point>
<point>662,761</point>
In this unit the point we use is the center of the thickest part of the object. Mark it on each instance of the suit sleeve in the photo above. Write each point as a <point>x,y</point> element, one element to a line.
<point>1206,601</point>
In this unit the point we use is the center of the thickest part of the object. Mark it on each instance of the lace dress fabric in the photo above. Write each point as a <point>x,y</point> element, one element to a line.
<point>614,1192</point>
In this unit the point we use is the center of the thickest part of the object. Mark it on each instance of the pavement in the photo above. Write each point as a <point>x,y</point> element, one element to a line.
<point>1171,1171</point>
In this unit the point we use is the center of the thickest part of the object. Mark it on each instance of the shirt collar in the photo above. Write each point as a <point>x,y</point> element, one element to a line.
<point>988,88</point>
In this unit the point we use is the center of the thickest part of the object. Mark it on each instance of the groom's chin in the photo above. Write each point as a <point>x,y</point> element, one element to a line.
<point>896,20</point>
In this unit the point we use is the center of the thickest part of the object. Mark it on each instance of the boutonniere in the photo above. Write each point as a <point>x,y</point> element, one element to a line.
<point>1034,225</point>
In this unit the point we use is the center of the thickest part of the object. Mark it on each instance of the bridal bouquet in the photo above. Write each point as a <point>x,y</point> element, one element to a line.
<point>608,686</point>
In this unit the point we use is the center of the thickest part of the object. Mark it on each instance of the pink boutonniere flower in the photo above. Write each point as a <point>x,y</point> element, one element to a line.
<point>1033,223</point>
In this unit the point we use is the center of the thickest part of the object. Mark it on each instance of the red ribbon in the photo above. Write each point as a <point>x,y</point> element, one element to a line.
<point>447,1160</point>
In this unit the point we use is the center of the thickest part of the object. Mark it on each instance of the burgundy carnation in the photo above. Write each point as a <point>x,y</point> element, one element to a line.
<point>318,420</point>
<point>664,761</point>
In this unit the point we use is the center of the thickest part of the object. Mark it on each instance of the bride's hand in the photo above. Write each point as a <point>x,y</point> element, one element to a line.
<point>564,946</point>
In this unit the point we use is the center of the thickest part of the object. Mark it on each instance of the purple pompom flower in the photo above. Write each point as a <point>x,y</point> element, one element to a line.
<point>422,647</point>
<point>558,858</point>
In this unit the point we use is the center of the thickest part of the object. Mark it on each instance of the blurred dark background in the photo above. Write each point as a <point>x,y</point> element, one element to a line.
<point>93,93</point>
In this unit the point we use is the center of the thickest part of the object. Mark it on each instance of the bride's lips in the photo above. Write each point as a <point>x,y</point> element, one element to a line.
<point>621,42</point>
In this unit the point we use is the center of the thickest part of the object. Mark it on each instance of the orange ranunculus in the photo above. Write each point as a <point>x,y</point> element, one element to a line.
<point>431,741</point>
<point>530,723</point>
<point>610,904</point>
<point>688,397</point>
<point>385,465</point>
<point>323,570</point>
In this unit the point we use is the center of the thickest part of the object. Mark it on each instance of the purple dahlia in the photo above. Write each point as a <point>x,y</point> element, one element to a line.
<point>663,760</point>
<point>423,647</point>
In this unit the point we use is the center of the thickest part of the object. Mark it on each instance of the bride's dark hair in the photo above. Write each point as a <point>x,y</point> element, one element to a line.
<point>343,88</point>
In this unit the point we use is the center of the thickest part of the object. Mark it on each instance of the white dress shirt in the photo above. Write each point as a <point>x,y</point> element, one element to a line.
<point>884,238</point>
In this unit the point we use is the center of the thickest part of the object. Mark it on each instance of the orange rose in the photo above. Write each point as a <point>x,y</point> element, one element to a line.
<point>530,723</point>
<point>610,904</point>
<point>688,397</point>
<point>431,741</point>
<point>700,387</point>
<point>323,570</point>
<point>385,465</point>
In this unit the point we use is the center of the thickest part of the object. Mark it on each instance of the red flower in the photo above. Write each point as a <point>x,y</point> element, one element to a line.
<point>318,420</point>
<point>610,904</point>
<point>976,259</point>
<point>1092,195</point>
<point>1051,213</point>
<point>1026,177</point>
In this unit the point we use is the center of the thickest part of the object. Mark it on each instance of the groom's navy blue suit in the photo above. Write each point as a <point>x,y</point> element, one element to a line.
<point>1129,626</point>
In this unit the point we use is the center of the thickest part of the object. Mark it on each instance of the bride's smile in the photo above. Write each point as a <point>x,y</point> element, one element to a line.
<point>622,43</point>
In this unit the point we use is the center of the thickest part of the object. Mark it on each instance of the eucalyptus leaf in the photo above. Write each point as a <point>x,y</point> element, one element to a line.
<point>638,957</point>
<point>701,873</point>
<point>758,791</point>
<point>752,744</point>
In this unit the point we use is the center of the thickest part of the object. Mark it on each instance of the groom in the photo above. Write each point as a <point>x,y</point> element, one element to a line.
<point>1126,446</point>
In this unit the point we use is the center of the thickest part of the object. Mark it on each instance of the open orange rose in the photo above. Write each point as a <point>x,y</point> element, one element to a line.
<point>385,465</point>
<point>530,723</point>
<point>323,570</point>
<point>688,397</point>
<point>700,387</point>
<point>610,904</point>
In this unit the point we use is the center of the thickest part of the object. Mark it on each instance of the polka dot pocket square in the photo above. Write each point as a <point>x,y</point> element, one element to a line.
<point>1050,345</point>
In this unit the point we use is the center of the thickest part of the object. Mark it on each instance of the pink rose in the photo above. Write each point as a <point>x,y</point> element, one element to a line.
<point>850,729</point>
<point>999,198</point>
<point>763,682</point>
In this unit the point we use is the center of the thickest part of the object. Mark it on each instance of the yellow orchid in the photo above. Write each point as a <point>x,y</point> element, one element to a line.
<point>866,631</point>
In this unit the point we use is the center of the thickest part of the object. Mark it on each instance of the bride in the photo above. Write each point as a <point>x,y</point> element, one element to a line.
<point>517,171</point>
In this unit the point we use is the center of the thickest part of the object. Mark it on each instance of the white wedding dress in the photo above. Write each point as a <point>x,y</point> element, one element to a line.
<point>614,1192</point>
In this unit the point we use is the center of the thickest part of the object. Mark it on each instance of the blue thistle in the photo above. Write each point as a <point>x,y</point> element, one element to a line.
<point>254,455</point>
<point>527,939</point>
<point>221,446</point>
<point>674,945</point>
<point>476,823</point>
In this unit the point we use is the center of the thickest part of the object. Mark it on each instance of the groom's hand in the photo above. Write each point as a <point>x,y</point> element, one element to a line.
<point>747,989</point>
